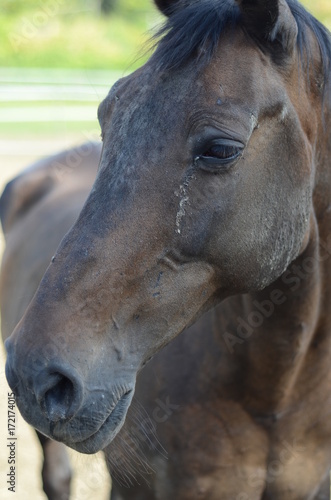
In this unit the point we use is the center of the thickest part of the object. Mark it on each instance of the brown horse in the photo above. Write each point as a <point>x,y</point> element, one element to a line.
<point>37,208</point>
<point>213,188</point>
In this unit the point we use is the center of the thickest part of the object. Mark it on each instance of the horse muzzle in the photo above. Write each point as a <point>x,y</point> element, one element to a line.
<point>55,401</point>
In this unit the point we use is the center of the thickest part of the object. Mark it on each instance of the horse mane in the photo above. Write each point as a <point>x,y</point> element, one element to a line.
<point>193,31</point>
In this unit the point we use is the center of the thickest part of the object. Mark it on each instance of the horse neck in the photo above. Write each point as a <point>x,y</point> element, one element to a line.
<point>274,339</point>
<point>267,336</point>
<point>322,191</point>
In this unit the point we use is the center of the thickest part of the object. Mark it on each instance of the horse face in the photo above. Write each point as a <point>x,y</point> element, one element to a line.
<point>203,191</point>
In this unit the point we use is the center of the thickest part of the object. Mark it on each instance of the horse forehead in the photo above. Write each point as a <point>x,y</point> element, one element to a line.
<point>155,90</point>
<point>240,69</point>
<point>238,74</point>
<point>153,103</point>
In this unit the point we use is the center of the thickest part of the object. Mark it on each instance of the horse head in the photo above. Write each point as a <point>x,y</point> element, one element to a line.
<point>204,190</point>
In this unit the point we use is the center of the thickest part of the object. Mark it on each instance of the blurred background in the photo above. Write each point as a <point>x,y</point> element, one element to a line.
<point>58,60</point>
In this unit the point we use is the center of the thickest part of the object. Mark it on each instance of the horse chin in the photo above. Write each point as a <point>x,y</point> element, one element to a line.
<point>104,434</point>
<point>74,433</point>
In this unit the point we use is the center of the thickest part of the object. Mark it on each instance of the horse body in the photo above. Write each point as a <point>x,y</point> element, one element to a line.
<point>213,187</point>
<point>238,425</point>
<point>37,208</point>
<point>32,203</point>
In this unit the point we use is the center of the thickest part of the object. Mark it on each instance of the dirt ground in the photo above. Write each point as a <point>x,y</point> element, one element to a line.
<point>90,480</point>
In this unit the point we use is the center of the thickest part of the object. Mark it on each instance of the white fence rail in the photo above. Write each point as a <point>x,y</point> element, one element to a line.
<point>44,111</point>
<point>35,95</point>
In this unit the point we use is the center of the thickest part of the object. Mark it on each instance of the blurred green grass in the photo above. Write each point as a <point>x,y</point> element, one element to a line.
<point>74,34</point>
<point>321,9</point>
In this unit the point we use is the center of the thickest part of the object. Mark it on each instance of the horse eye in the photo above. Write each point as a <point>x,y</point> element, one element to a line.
<point>219,155</point>
<point>221,152</point>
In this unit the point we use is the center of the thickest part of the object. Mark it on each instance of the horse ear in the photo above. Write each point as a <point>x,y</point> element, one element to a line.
<point>270,20</point>
<point>22,193</point>
<point>166,6</point>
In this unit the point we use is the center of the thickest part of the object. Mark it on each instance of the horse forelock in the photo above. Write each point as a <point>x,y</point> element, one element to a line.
<point>193,30</point>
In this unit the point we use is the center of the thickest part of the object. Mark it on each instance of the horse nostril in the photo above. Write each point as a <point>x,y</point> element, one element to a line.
<point>58,396</point>
<point>58,399</point>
